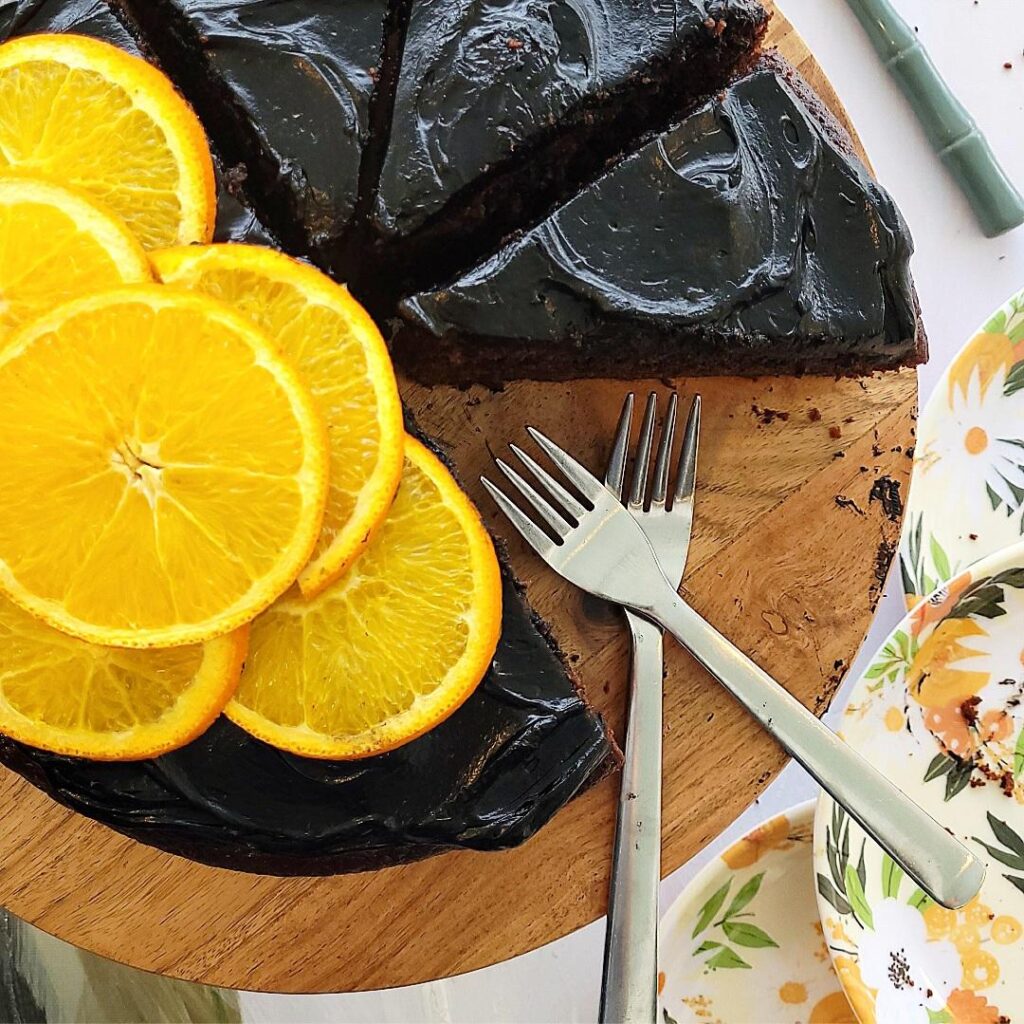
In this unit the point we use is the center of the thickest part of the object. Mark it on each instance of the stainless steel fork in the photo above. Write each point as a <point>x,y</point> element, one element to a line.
<point>629,982</point>
<point>596,544</point>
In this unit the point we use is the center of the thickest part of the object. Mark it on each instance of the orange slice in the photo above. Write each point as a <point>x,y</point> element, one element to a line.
<point>393,647</point>
<point>163,472</point>
<point>85,113</point>
<point>61,694</point>
<point>341,358</point>
<point>55,245</point>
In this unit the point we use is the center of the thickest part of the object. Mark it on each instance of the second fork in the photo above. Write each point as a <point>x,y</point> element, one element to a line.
<point>629,979</point>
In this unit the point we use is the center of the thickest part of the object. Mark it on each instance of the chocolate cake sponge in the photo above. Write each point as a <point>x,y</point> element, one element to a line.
<point>747,239</point>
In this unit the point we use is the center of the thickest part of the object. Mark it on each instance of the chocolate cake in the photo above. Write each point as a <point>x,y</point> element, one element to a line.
<point>465,147</point>
<point>747,237</point>
<point>503,107</point>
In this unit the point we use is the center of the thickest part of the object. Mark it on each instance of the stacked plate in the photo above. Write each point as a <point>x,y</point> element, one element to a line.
<point>806,920</point>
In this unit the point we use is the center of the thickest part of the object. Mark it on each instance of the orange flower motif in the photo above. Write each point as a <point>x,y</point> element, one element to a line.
<point>936,677</point>
<point>948,726</point>
<point>772,835</point>
<point>861,998</point>
<point>939,604</point>
<point>996,725</point>
<point>833,1009</point>
<point>970,1008</point>
<point>986,354</point>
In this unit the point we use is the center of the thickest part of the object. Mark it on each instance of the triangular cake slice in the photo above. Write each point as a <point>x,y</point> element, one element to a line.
<point>236,220</point>
<point>748,239</point>
<point>503,105</point>
<point>288,89</point>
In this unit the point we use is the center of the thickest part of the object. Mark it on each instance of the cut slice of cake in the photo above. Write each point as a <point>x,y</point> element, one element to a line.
<point>236,220</point>
<point>748,239</point>
<point>288,90</point>
<point>501,106</point>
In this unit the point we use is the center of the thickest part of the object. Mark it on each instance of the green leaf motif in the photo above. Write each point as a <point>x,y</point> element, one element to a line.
<point>997,323</point>
<point>920,900</point>
<point>1012,852</point>
<point>892,876</point>
<point>706,947</point>
<point>1016,881</point>
<point>831,895</point>
<point>958,778</point>
<point>939,558</point>
<point>708,911</point>
<point>939,1017</point>
<point>750,889</point>
<point>745,934</point>
<point>726,959</point>
<point>858,901</point>
<point>667,1017</point>
<point>938,766</point>
<point>1018,756</point>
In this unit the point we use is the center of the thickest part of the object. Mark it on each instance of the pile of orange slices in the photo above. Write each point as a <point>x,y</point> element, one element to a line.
<point>208,502</point>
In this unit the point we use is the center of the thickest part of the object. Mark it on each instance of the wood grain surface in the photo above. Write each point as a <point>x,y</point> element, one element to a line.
<point>798,511</point>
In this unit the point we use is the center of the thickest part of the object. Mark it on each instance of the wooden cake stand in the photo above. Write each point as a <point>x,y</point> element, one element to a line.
<point>798,510</point>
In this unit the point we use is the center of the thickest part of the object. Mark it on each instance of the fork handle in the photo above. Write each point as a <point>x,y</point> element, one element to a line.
<point>629,982</point>
<point>942,866</point>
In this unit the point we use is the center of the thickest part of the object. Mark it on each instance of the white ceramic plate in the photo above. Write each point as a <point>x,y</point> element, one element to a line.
<point>743,942</point>
<point>940,711</point>
<point>967,496</point>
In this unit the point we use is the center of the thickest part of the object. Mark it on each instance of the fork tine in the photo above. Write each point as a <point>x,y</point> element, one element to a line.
<point>531,532</point>
<point>688,455</point>
<point>642,459</point>
<point>659,489</point>
<point>615,474</point>
<point>582,479</point>
<point>544,508</point>
<point>564,498</point>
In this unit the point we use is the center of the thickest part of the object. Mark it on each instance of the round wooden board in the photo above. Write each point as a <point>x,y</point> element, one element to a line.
<point>797,519</point>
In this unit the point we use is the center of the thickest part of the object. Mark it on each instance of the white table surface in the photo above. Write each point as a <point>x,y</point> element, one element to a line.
<point>961,277</point>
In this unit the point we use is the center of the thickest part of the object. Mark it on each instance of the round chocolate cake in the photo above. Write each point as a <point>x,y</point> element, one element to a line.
<point>515,188</point>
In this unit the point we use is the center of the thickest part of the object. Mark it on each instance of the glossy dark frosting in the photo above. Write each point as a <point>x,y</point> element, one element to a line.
<point>480,79</point>
<point>485,779</point>
<point>748,224</point>
<point>301,73</point>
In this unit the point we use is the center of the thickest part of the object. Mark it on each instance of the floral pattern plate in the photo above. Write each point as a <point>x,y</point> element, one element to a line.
<point>967,496</point>
<point>939,711</point>
<point>743,942</point>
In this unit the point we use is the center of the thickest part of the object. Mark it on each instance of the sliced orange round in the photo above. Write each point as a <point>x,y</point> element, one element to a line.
<point>393,647</point>
<point>341,358</point>
<point>62,694</point>
<point>163,472</point>
<point>82,112</point>
<point>55,245</point>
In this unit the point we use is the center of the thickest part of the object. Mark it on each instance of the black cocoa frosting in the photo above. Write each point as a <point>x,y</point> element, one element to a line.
<point>485,779</point>
<point>289,84</point>
<point>746,239</point>
<point>503,107</point>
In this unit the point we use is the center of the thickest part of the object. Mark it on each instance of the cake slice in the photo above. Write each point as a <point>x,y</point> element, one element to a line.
<point>288,89</point>
<point>236,220</point>
<point>747,239</point>
<point>501,106</point>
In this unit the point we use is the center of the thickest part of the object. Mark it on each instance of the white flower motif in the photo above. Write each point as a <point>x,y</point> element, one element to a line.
<point>978,446</point>
<point>911,974</point>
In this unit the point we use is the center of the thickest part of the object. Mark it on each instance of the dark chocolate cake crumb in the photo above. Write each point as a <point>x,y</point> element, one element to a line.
<point>835,433</point>
<point>814,415</point>
<point>969,710</point>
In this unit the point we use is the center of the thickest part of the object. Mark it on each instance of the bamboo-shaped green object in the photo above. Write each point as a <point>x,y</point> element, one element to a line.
<point>952,131</point>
